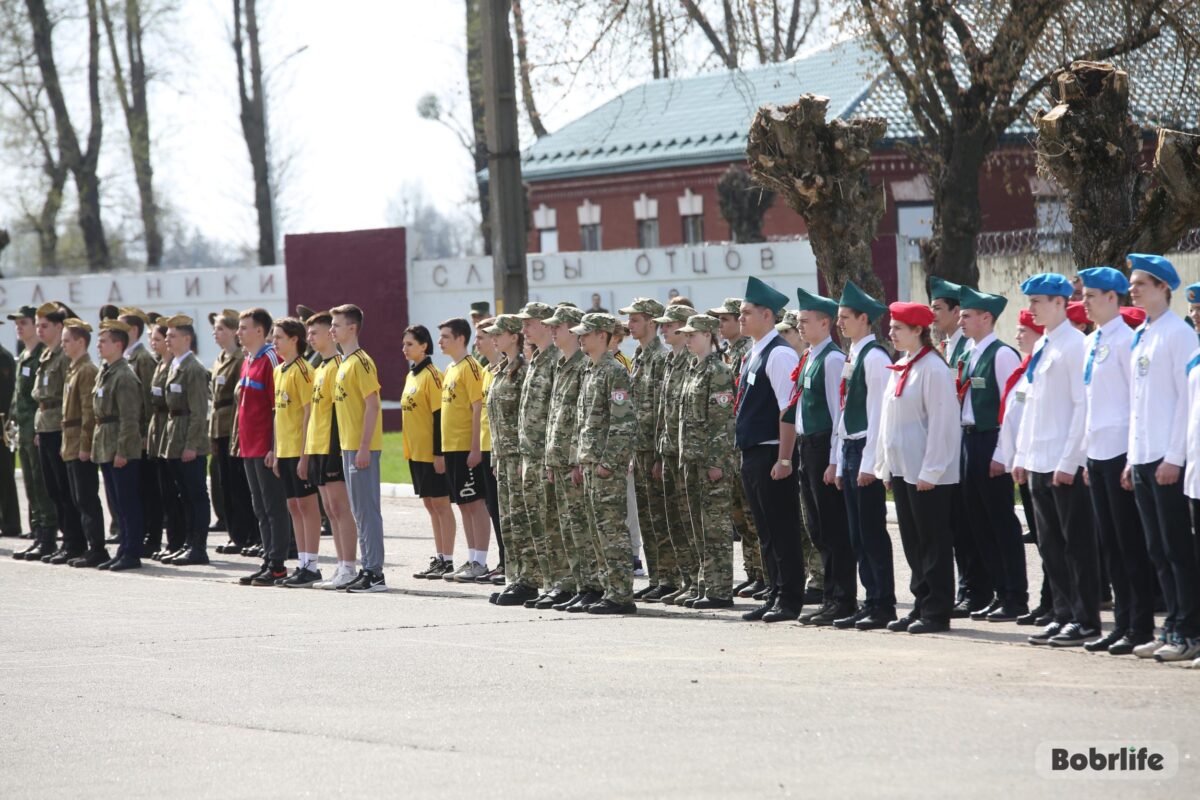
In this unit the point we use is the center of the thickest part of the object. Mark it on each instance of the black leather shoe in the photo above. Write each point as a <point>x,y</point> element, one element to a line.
<point>570,601</point>
<point>754,588</point>
<point>711,603</point>
<point>33,553</point>
<point>1031,617</point>
<point>961,609</point>
<point>980,614</point>
<point>806,617</point>
<point>1047,633</point>
<point>124,563</point>
<point>928,626</point>
<point>609,607</point>
<point>640,594</point>
<point>690,602</point>
<point>228,547</point>
<point>1102,644</point>
<point>1125,645</point>
<point>586,600</point>
<point>1007,613</point>
<point>851,620</point>
<point>814,597</point>
<point>757,614</point>
<point>62,557</point>
<point>781,613</point>
<point>828,614</point>
<point>1044,619</point>
<point>189,558</point>
<point>247,580</point>
<point>532,603</point>
<point>763,593</point>
<point>878,618</point>
<point>553,598</point>
<point>107,564</point>
<point>900,625</point>
<point>659,592</point>
<point>516,595</point>
<point>218,527</point>
<point>90,560</point>
<point>743,585</point>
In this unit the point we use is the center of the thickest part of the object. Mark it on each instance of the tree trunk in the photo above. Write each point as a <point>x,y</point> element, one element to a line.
<point>254,124</point>
<point>1172,207</point>
<point>820,169</point>
<point>957,219</point>
<point>527,98</point>
<point>743,205</point>
<point>478,121</point>
<point>47,220</point>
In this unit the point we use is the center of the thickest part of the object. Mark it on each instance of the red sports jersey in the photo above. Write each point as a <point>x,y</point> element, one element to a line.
<point>256,403</point>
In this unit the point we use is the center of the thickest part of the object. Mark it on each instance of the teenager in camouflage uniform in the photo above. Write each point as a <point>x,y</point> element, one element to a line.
<point>503,408</point>
<point>541,504</point>
<point>560,462</point>
<point>649,367</point>
<point>668,470</point>
<point>606,432</point>
<point>736,348</point>
<point>43,517</point>
<point>706,452</point>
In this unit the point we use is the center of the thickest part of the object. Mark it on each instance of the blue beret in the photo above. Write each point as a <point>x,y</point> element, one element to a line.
<point>939,288</point>
<point>982,301</point>
<point>815,302</point>
<point>1106,279</point>
<point>1193,293</point>
<point>1157,266</point>
<point>1048,283</point>
<point>760,294</point>
<point>855,298</point>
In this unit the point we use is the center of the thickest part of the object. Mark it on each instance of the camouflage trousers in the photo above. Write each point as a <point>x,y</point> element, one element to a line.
<point>607,500</point>
<point>743,520</point>
<point>652,515</point>
<point>541,507</point>
<point>687,556</point>
<point>708,504</point>
<point>576,531</point>
<point>520,556</point>
<point>814,566</point>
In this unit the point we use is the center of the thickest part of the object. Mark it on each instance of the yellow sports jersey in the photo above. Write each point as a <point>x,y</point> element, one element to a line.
<point>485,427</point>
<point>422,399</point>
<point>357,379</point>
<point>462,386</point>
<point>293,391</point>
<point>320,417</point>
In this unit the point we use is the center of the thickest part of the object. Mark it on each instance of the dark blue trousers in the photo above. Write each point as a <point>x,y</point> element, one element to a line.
<point>124,486</point>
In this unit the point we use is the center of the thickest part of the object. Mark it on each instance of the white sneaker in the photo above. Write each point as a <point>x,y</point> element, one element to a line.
<point>1180,649</point>
<point>1151,647</point>
<point>458,573</point>
<point>470,571</point>
<point>341,579</point>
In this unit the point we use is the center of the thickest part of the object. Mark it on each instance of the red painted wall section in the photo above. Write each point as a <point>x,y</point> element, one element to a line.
<point>366,268</point>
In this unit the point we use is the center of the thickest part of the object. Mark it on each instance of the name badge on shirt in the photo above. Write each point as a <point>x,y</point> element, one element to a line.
<point>176,388</point>
<point>1020,396</point>
<point>46,380</point>
<point>1143,366</point>
<point>808,381</point>
<point>1101,353</point>
<point>156,391</point>
<point>979,383</point>
<point>750,378</point>
<point>100,392</point>
<point>220,380</point>
<point>24,372</point>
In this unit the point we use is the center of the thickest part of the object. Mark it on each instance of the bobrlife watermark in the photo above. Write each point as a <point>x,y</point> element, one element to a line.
<point>1152,761</point>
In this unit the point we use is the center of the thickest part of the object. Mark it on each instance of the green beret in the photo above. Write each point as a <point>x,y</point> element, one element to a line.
<point>942,289</point>
<point>856,299</point>
<point>760,294</point>
<point>815,302</point>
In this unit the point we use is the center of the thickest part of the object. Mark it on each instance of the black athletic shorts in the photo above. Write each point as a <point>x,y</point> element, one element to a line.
<point>292,485</point>
<point>466,484</point>
<point>426,480</point>
<point>326,469</point>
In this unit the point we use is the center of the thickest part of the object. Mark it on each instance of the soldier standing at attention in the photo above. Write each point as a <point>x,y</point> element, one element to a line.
<point>541,505</point>
<point>736,348</point>
<point>606,434</point>
<point>143,362</point>
<point>156,433</point>
<point>43,518</point>
<point>706,450</point>
<point>666,468</point>
<point>118,406</point>
<point>235,492</point>
<point>186,443</point>
<point>78,423</point>
<point>10,508</point>
<point>561,461</point>
<point>649,366</point>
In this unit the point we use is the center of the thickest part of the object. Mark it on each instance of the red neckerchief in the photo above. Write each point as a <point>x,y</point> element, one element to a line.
<point>961,385</point>
<point>741,390</point>
<point>797,388</point>
<point>904,368</point>
<point>1010,383</point>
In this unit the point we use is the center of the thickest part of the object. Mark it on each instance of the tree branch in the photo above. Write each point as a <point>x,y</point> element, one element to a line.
<point>697,16</point>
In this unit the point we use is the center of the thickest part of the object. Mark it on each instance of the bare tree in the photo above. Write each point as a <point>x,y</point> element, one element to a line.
<point>743,204</point>
<point>754,26</point>
<point>253,103</point>
<point>81,162</point>
<point>131,91</point>
<point>523,70</point>
<point>967,71</point>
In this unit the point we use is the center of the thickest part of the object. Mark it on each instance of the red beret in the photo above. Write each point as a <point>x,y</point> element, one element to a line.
<point>918,315</point>
<point>1133,315</point>
<point>1076,313</point>
<point>1025,320</point>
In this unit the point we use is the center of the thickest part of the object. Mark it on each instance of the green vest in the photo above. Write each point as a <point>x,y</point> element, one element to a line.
<point>855,412</point>
<point>960,348</point>
<point>985,391</point>
<point>814,410</point>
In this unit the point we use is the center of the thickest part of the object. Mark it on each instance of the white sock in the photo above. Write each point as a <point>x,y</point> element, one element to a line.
<point>443,557</point>
<point>346,566</point>
<point>481,556</point>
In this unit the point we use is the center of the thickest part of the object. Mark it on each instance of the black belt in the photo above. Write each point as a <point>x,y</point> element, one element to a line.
<point>107,420</point>
<point>182,413</point>
<point>974,429</point>
<point>74,423</point>
<point>222,403</point>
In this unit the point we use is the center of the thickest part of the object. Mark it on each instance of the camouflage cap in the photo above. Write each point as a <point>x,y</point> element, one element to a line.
<point>732,305</point>
<point>791,321</point>
<point>565,314</point>
<point>644,305</point>
<point>538,311</point>
<point>115,325</point>
<point>595,322</point>
<point>481,307</point>
<point>701,323</point>
<point>676,314</point>
<point>505,323</point>
<point>24,312</point>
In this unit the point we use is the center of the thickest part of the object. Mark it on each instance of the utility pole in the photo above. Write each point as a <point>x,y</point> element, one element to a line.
<point>505,190</point>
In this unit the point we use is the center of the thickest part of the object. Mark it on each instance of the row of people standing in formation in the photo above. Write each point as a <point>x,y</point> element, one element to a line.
<point>281,430</point>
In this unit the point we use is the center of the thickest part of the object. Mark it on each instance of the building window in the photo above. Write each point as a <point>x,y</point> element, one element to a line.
<point>647,233</point>
<point>548,240</point>
<point>589,237</point>
<point>693,229</point>
<point>545,220</point>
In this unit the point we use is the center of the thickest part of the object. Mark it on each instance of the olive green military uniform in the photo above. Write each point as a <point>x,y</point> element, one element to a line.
<point>503,408</point>
<point>156,434</point>
<point>706,422</point>
<point>42,514</point>
<point>117,409</point>
<point>10,507</point>
<point>78,429</point>
<point>607,427</point>
<point>687,557</point>
<point>187,429</point>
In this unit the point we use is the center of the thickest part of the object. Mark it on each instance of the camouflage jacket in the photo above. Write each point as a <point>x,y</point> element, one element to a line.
<point>117,404</point>
<point>606,422</point>
<point>24,407</point>
<point>737,351</point>
<point>504,406</point>
<point>560,433</point>
<point>50,382</point>
<point>649,366</point>
<point>669,401</point>
<point>537,393</point>
<point>706,414</point>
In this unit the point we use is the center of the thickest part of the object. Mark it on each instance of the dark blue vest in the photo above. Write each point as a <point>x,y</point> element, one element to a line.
<point>758,410</point>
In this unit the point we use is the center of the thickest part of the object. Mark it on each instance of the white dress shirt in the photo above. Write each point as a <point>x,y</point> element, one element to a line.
<point>1051,437</point>
<point>1003,364</point>
<point>1010,427</point>
<point>1158,427</point>
<point>876,374</point>
<point>919,431</point>
<point>1108,393</point>
<point>835,359</point>
<point>781,362</point>
<point>1191,473</point>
